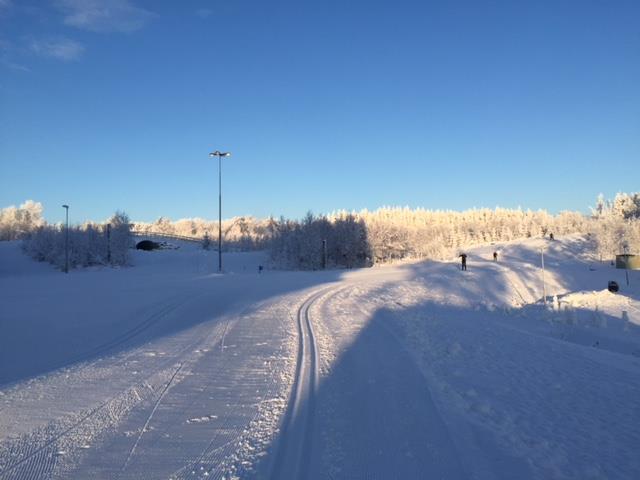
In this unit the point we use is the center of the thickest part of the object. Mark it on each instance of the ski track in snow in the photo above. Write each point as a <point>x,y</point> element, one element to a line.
<point>293,453</point>
<point>146,424</point>
<point>414,371</point>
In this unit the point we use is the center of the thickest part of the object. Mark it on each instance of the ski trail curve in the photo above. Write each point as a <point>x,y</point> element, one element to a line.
<point>294,447</point>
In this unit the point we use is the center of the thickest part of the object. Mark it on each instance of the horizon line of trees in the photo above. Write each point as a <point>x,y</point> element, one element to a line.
<point>616,225</point>
<point>391,234</point>
<point>90,244</point>
<point>343,239</point>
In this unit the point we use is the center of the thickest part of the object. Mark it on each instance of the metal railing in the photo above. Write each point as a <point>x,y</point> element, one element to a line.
<point>166,235</point>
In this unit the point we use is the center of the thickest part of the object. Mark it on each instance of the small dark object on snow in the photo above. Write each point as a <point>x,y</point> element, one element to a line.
<point>147,245</point>
<point>613,286</point>
<point>551,236</point>
<point>260,268</point>
<point>495,256</point>
<point>463,256</point>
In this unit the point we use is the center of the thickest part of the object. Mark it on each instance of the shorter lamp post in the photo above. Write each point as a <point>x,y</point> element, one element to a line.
<point>66,240</point>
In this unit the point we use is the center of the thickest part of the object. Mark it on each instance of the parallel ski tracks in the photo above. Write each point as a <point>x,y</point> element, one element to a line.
<point>295,444</point>
<point>294,448</point>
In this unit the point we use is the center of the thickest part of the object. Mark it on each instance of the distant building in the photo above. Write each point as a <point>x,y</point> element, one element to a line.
<point>626,260</point>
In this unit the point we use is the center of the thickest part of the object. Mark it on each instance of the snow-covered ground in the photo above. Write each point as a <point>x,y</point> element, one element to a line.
<point>170,370</point>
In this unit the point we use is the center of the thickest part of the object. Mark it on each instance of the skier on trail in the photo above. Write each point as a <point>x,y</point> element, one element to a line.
<point>495,256</point>
<point>463,256</point>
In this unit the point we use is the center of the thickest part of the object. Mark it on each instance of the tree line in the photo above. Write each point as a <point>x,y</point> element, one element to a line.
<point>616,225</point>
<point>340,239</point>
<point>393,233</point>
<point>89,244</point>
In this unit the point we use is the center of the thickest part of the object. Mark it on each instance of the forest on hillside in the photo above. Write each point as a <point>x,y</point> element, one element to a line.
<point>340,239</point>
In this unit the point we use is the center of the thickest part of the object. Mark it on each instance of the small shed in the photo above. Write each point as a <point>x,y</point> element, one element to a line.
<point>626,260</point>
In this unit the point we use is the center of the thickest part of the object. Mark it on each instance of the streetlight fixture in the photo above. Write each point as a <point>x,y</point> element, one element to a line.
<point>66,240</point>
<point>219,155</point>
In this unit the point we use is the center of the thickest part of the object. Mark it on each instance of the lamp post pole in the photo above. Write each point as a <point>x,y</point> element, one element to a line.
<point>219,155</point>
<point>66,239</point>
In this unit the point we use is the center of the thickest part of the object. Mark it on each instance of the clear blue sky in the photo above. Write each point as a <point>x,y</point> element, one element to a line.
<point>114,104</point>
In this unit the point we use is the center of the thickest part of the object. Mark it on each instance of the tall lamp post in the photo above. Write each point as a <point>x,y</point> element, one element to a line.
<point>66,239</point>
<point>219,155</point>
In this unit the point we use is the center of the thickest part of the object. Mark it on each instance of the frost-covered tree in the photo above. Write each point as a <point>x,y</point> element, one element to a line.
<point>616,225</point>
<point>120,238</point>
<point>89,244</point>
<point>17,222</point>
<point>627,205</point>
<point>394,233</point>
<point>300,244</point>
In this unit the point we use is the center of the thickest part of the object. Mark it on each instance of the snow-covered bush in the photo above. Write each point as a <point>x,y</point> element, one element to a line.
<point>120,238</point>
<point>89,244</point>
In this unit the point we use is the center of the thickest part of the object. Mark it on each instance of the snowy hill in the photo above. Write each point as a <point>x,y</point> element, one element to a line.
<point>170,370</point>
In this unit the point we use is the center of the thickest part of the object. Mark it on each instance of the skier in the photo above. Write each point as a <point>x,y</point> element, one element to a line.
<point>463,256</point>
<point>495,256</point>
<point>551,236</point>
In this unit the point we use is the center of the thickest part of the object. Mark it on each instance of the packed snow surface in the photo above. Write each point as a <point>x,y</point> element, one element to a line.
<point>167,369</point>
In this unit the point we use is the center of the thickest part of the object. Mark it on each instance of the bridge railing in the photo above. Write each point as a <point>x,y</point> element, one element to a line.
<point>169,236</point>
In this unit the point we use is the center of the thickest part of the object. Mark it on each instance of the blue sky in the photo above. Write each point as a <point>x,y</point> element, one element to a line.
<point>114,104</point>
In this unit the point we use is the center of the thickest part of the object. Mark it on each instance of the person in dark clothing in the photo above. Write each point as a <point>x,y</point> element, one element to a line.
<point>463,256</point>
<point>551,237</point>
<point>495,256</point>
